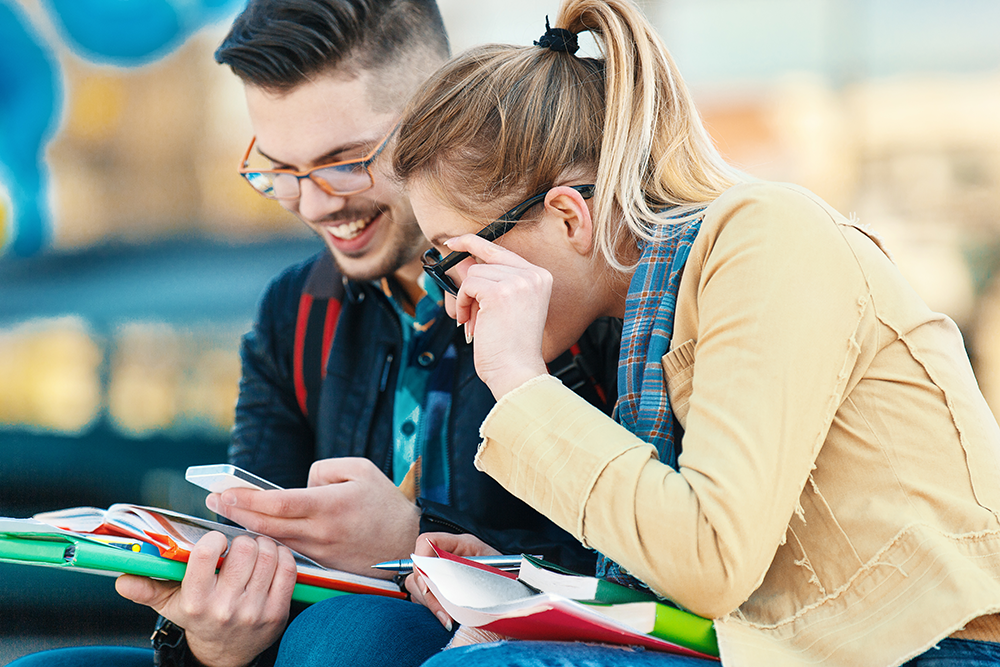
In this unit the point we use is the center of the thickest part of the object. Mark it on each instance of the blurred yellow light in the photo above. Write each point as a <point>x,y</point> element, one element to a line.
<point>50,375</point>
<point>96,104</point>
<point>145,371</point>
<point>6,215</point>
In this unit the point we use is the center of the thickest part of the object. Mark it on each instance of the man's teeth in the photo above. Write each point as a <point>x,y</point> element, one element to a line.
<point>349,230</point>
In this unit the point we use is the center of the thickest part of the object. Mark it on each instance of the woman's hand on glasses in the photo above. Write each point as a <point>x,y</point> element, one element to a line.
<point>503,302</point>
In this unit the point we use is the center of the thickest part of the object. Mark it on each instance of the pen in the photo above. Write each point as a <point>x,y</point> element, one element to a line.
<point>500,562</point>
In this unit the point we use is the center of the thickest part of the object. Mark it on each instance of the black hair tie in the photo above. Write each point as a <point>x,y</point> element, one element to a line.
<point>558,39</point>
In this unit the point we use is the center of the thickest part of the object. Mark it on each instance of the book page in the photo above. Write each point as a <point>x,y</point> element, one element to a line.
<point>469,586</point>
<point>76,519</point>
<point>144,525</point>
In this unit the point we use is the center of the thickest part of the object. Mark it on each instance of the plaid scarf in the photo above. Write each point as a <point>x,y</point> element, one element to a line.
<point>643,403</point>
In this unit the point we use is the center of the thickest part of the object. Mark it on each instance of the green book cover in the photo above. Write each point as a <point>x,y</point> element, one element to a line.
<point>691,630</point>
<point>666,622</point>
<point>81,555</point>
<point>640,609</point>
<point>551,578</point>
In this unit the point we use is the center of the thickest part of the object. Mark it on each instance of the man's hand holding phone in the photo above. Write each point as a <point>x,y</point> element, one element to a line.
<point>349,517</point>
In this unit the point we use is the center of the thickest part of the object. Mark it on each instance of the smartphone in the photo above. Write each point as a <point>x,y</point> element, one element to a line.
<point>219,477</point>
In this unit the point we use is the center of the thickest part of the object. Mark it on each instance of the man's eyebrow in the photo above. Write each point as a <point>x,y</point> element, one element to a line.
<point>326,158</point>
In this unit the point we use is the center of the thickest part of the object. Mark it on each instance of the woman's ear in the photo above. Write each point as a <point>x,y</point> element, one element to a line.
<point>571,210</point>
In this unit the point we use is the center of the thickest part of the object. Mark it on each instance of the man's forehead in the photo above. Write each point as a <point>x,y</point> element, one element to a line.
<point>315,119</point>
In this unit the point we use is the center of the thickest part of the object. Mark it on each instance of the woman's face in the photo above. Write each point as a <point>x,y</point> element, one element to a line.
<point>539,239</point>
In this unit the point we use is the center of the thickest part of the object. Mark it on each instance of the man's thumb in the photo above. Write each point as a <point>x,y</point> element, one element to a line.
<point>144,590</point>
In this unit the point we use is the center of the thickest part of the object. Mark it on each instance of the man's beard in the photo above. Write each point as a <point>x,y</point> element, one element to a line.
<point>402,248</point>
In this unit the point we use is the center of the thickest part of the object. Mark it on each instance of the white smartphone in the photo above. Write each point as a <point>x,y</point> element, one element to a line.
<point>219,477</point>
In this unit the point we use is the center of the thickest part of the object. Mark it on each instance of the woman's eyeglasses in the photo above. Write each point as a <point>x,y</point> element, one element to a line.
<point>341,179</point>
<point>438,268</point>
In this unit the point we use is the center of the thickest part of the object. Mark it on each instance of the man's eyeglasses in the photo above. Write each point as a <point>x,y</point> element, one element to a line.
<point>438,268</point>
<point>347,177</point>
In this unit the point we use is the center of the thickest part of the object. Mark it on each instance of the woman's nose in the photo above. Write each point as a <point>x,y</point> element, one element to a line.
<point>458,272</point>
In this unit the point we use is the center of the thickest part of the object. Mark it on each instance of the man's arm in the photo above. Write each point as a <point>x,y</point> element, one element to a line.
<point>271,436</point>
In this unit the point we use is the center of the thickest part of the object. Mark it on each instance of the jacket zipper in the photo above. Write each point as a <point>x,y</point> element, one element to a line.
<point>386,367</point>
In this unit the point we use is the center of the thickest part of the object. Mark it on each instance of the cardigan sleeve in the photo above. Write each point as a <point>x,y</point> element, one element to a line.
<point>783,313</point>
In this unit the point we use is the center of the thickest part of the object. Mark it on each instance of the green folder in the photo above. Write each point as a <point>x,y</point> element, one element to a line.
<point>666,622</point>
<point>641,609</point>
<point>82,555</point>
<point>605,592</point>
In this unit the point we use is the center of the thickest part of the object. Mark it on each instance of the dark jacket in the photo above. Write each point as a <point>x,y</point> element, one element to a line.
<point>354,410</point>
<point>282,426</point>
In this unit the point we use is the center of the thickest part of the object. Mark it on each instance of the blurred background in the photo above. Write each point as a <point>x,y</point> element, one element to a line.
<point>133,255</point>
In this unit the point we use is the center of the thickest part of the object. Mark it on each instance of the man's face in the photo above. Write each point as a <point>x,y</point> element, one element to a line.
<point>371,234</point>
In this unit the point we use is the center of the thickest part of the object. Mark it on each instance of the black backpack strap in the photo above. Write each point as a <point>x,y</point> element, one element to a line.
<point>590,366</point>
<point>315,326</point>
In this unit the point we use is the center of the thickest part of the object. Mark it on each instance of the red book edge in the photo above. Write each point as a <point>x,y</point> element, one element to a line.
<point>441,553</point>
<point>555,624</point>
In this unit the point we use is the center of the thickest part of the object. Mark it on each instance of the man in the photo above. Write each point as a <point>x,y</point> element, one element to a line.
<point>354,379</point>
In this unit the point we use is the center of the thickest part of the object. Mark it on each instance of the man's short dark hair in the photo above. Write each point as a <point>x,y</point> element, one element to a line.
<point>278,44</point>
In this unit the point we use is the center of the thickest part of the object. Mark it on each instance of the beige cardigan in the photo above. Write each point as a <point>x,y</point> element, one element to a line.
<point>837,495</point>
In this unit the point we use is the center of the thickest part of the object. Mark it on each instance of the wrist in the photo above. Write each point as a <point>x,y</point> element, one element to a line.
<point>227,659</point>
<point>511,379</point>
<point>170,647</point>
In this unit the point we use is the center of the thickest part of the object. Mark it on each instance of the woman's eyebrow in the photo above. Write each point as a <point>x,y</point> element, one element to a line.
<point>439,239</point>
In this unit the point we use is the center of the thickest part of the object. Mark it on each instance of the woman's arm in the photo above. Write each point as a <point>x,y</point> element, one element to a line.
<point>779,311</point>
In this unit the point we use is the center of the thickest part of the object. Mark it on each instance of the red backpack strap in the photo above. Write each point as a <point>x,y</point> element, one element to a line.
<point>315,326</point>
<point>301,324</point>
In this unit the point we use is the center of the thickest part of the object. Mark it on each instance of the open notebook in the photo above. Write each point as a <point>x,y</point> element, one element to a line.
<point>148,541</point>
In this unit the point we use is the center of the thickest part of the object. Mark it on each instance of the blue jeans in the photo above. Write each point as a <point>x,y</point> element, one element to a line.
<point>88,656</point>
<point>954,652</point>
<point>559,654</point>
<point>364,630</point>
<point>949,653</point>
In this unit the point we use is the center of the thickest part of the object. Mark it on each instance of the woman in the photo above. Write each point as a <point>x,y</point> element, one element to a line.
<point>800,450</point>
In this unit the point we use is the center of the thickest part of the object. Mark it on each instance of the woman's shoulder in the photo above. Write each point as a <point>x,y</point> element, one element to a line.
<point>785,209</point>
<point>770,211</point>
<point>780,200</point>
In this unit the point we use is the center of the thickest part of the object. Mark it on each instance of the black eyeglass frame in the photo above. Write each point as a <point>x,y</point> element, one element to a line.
<point>437,268</point>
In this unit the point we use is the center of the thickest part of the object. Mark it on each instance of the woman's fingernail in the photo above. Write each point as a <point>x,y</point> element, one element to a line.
<point>229,498</point>
<point>448,242</point>
<point>212,502</point>
<point>445,620</point>
<point>468,334</point>
<point>423,586</point>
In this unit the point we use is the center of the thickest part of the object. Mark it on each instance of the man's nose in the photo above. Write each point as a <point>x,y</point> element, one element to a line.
<point>314,204</point>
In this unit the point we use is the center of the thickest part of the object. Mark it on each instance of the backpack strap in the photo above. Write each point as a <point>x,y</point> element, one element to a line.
<point>315,326</point>
<point>590,366</point>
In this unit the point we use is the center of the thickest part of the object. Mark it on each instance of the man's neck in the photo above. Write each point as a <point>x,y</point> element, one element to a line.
<point>408,277</point>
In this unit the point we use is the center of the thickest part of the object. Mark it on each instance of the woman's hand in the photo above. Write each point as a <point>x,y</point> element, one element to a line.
<point>503,302</point>
<point>460,545</point>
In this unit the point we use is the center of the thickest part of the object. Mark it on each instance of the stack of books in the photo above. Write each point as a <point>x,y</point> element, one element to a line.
<point>539,601</point>
<point>152,542</point>
<point>544,601</point>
